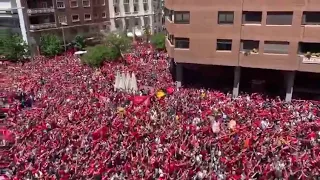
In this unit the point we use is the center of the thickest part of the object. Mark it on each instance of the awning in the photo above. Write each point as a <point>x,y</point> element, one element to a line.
<point>130,34</point>
<point>80,52</point>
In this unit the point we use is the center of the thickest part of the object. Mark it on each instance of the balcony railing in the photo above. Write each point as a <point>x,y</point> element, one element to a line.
<point>42,26</point>
<point>40,10</point>
<point>311,60</point>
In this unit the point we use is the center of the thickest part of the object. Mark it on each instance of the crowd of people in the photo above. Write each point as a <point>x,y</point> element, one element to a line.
<point>69,123</point>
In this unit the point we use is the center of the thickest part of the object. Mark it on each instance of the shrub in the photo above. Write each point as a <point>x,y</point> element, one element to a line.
<point>113,54</point>
<point>13,48</point>
<point>50,45</point>
<point>95,56</point>
<point>79,42</point>
<point>158,40</point>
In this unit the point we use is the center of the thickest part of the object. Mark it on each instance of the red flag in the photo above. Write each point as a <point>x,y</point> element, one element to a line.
<point>138,100</point>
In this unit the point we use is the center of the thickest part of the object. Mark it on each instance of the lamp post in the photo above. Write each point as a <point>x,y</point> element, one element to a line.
<point>63,37</point>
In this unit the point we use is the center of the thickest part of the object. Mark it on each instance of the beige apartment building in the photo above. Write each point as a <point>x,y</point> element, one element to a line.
<point>272,40</point>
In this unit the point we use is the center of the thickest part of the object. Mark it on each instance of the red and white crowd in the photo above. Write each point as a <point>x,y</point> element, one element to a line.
<point>69,123</point>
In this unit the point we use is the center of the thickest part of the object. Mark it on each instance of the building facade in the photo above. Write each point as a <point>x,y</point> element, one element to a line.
<point>133,16</point>
<point>264,34</point>
<point>9,18</point>
<point>66,18</point>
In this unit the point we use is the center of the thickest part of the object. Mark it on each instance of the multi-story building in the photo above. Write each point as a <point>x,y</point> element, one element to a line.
<point>66,18</point>
<point>248,42</point>
<point>10,12</point>
<point>133,16</point>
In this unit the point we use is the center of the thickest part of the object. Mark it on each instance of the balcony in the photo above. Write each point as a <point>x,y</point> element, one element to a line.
<point>170,48</point>
<point>268,61</point>
<point>309,57</point>
<point>44,21</point>
<point>42,26</point>
<point>309,64</point>
<point>40,11</point>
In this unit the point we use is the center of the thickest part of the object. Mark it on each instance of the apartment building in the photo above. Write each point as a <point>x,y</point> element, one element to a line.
<point>132,16</point>
<point>10,11</point>
<point>66,18</point>
<point>276,41</point>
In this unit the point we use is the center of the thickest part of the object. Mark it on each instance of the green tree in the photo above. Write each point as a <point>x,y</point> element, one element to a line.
<point>79,42</point>
<point>147,32</point>
<point>96,55</point>
<point>50,45</point>
<point>14,48</point>
<point>119,43</point>
<point>158,40</point>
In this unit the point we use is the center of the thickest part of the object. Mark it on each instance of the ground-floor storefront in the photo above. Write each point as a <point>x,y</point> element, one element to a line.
<point>236,80</point>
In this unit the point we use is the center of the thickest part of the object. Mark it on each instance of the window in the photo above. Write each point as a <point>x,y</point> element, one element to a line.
<point>181,17</point>
<point>104,15</point>
<point>146,21</point>
<point>125,1</point>
<point>279,18</point>
<point>43,5</point>
<point>252,17</point>
<point>75,18</point>
<point>115,1</point>
<point>249,45</point>
<point>126,8</point>
<point>145,1</point>
<point>127,23</point>
<point>305,47</point>
<point>224,45</point>
<point>74,3</point>
<point>276,47</point>
<point>116,24</point>
<point>136,8</point>
<point>86,3</point>
<point>60,4</point>
<point>311,18</point>
<point>182,43</point>
<point>116,9</point>
<point>136,1</point>
<point>136,21</point>
<point>87,16</point>
<point>171,39</point>
<point>145,7</point>
<point>103,2</point>
<point>62,18</point>
<point>168,13</point>
<point>225,17</point>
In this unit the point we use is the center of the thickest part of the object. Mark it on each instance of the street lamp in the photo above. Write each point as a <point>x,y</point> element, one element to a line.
<point>63,37</point>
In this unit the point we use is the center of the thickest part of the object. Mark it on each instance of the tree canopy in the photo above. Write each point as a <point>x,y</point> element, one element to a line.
<point>50,45</point>
<point>158,40</point>
<point>13,48</point>
<point>119,42</point>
